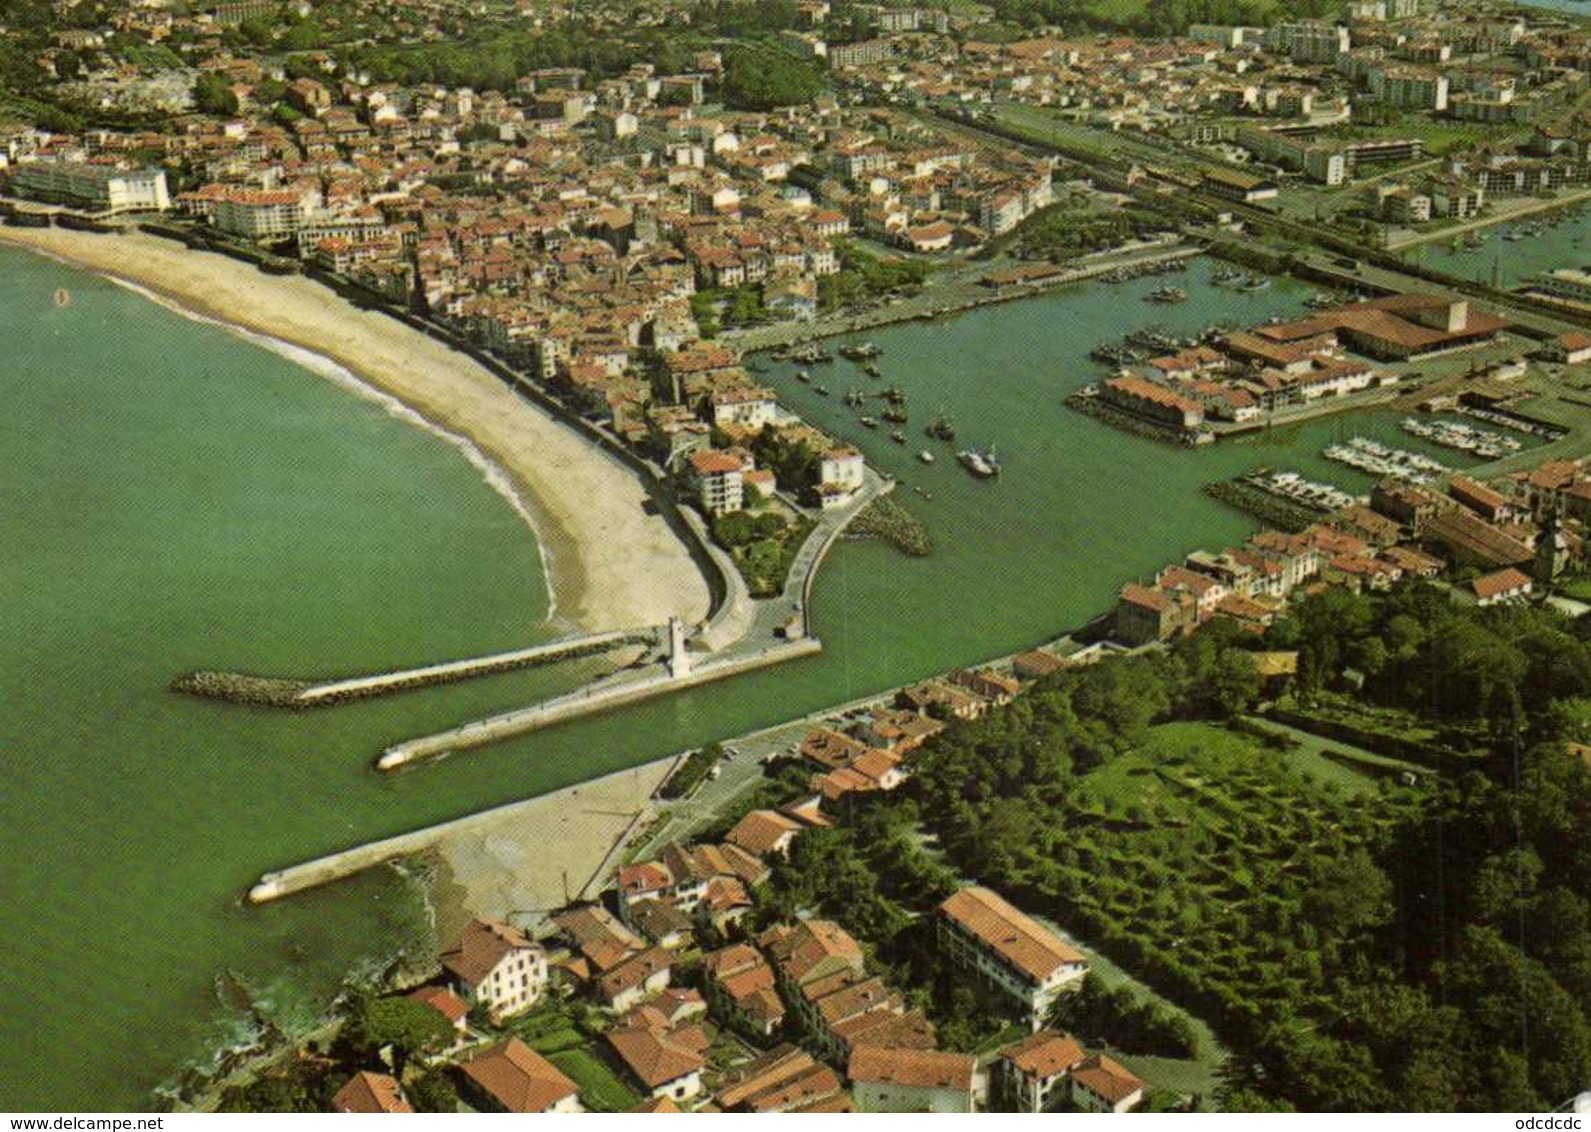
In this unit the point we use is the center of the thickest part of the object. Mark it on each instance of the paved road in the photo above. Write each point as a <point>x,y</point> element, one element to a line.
<point>743,772</point>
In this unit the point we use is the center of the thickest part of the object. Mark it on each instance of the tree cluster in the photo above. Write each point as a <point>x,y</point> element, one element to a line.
<point>1406,951</point>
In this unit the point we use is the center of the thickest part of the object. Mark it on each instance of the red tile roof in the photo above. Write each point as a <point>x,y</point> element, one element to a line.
<point>915,1068</point>
<point>481,946</point>
<point>518,1078</point>
<point>711,462</point>
<point>370,1092</point>
<point>1109,1080</point>
<point>654,1058</point>
<point>1134,594</point>
<point>1018,938</point>
<point>442,1000</point>
<point>761,830</point>
<point>1500,582</point>
<point>1046,1054</point>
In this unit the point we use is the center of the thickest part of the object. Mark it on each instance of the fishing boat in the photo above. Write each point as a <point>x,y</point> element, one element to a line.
<point>868,422</point>
<point>981,464</point>
<point>1167,295</point>
<point>894,415</point>
<point>872,370</point>
<point>812,354</point>
<point>898,436</point>
<point>803,375</point>
<point>926,456</point>
<point>822,390</point>
<point>941,429</point>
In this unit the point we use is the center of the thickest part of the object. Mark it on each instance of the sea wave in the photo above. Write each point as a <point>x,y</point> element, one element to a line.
<point>494,475</point>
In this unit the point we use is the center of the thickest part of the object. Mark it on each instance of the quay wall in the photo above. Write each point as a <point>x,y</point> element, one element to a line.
<point>810,578</point>
<point>589,701</point>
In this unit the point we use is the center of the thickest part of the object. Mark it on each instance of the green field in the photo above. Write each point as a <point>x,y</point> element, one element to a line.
<point>1579,589</point>
<point>601,1090</point>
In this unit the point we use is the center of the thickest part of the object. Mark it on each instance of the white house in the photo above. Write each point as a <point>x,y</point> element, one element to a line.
<point>666,1064</point>
<point>720,482</point>
<point>1031,1075</point>
<point>1103,1085</point>
<point>749,406</point>
<point>1009,950</point>
<point>498,966</point>
<point>840,472</point>
<point>635,980</point>
<point>1501,586</point>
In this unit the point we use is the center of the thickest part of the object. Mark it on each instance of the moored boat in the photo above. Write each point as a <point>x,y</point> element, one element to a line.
<point>981,464</point>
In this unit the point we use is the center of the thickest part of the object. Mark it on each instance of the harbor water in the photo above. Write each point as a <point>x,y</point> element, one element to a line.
<point>1514,253</point>
<point>176,498</point>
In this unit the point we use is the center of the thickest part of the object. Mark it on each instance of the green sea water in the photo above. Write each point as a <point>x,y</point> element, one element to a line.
<point>1543,242</point>
<point>176,498</point>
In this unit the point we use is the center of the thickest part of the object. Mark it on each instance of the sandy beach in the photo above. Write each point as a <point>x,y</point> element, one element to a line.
<point>537,855</point>
<point>611,564</point>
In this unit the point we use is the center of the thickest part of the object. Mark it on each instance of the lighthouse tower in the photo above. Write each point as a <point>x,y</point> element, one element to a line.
<point>679,661</point>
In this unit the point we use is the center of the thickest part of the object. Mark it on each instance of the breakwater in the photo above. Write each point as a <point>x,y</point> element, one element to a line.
<point>1090,404</point>
<point>591,700</point>
<point>1269,509</point>
<point>278,692</point>
<point>887,520</point>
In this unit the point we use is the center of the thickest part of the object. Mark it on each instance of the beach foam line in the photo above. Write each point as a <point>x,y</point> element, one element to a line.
<point>344,378</point>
